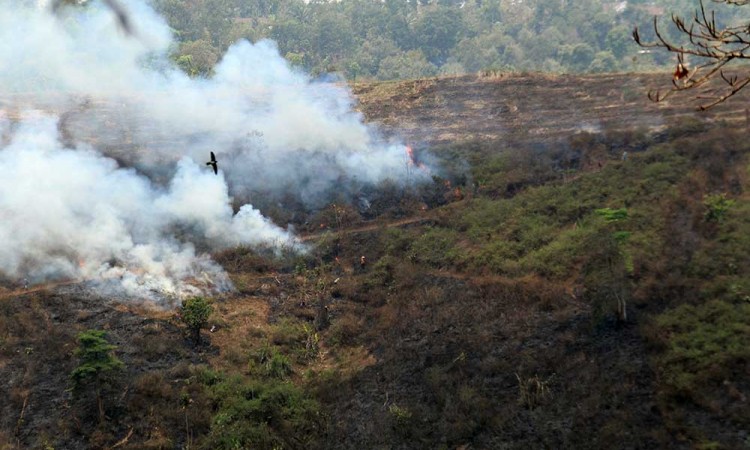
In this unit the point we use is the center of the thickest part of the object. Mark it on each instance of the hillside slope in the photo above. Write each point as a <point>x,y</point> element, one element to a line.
<point>542,292</point>
<point>520,109</point>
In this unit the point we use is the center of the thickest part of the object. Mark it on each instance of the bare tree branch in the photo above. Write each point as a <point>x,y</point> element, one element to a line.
<point>713,48</point>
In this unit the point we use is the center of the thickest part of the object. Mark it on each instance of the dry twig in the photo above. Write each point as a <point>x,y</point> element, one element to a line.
<point>712,46</point>
<point>123,19</point>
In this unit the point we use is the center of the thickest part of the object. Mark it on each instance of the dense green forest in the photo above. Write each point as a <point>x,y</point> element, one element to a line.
<point>393,39</point>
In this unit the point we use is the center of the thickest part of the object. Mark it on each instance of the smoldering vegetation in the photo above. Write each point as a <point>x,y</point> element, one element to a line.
<point>104,142</point>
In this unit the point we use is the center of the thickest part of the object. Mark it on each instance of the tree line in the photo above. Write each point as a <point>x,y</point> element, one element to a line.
<point>398,39</point>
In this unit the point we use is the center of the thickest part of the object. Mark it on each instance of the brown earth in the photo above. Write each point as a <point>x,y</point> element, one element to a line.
<point>519,109</point>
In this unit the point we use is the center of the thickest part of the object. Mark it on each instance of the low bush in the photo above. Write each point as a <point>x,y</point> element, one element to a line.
<point>262,415</point>
<point>705,345</point>
<point>436,247</point>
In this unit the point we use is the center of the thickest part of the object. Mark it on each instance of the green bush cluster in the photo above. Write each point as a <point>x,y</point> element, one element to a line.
<point>273,363</point>
<point>717,206</point>
<point>436,247</point>
<point>262,414</point>
<point>705,345</point>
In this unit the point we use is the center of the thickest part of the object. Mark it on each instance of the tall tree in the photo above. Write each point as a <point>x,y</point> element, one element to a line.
<point>437,32</point>
<point>201,57</point>
<point>97,364</point>
<point>332,35</point>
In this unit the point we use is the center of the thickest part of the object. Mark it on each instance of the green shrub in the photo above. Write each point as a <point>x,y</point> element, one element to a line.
<point>436,247</point>
<point>208,376</point>
<point>534,231</point>
<point>288,332</point>
<point>497,256</point>
<point>97,365</point>
<point>717,206</point>
<point>382,273</point>
<point>705,344</point>
<point>194,313</point>
<point>262,415</point>
<point>395,241</point>
<point>612,215</point>
<point>605,274</point>
<point>273,363</point>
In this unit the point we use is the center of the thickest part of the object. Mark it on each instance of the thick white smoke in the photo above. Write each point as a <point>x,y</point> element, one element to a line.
<point>74,213</point>
<point>102,144</point>
<point>269,124</point>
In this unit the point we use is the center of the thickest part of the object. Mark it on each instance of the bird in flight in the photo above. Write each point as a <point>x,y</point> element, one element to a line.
<point>213,163</point>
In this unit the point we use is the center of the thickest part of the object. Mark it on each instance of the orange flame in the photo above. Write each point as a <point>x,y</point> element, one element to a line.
<point>410,154</point>
<point>412,160</point>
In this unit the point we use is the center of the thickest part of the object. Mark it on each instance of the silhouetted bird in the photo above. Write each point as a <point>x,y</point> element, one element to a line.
<point>213,163</point>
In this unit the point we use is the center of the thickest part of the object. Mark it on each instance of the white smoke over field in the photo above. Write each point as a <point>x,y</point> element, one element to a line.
<point>269,124</point>
<point>102,143</point>
<point>74,213</point>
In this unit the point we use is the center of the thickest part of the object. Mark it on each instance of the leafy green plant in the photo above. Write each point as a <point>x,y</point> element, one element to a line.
<point>382,273</point>
<point>97,364</point>
<point>96,357</point>
<point>612,215</point>
<point>717,206</point>
<point>705,344</point>
<point>605,275</point>
<point>436,247</point>
<point>273,363</point>
<point>264,415</point>
<point>288,332</point>
<point>195,313</point>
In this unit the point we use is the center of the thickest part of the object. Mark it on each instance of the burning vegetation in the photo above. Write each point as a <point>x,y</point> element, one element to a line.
<point>119,148</point>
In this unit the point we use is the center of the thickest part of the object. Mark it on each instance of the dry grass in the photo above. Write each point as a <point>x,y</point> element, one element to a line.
<point>244,326</point>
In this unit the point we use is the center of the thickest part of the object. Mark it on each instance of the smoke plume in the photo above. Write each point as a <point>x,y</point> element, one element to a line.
<point>102,144</point>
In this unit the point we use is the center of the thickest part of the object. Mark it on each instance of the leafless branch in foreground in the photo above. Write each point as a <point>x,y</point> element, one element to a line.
<point>123,19</point>
<point>712,46</point>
